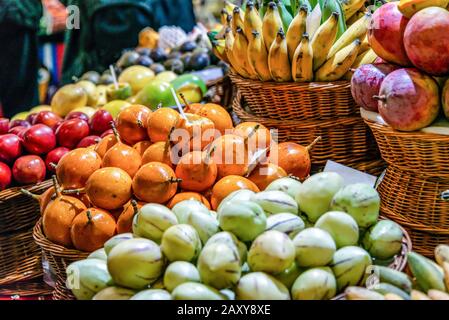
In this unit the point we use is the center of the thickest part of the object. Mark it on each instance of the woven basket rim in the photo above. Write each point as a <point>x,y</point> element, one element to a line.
<point>53,248</point>
<point>286,86</point>
<point>385,129</point>
<point>31,187</point>
<point>324,123</point>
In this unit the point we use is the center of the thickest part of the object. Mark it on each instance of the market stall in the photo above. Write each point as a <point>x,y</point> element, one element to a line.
<point>295,150</point>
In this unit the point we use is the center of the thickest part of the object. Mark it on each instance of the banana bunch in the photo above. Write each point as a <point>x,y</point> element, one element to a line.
<point>431,280</point>
<point>314,44</point>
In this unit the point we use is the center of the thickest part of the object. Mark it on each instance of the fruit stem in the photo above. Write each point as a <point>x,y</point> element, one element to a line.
<point>114,77</point>
<point>253,131</point>
<point>310,146</point>
<point>74,191</point>
<point>181,111</point>
<point>294,177</point>
<point>174,180</point>
<point>134,204</point>
<point>53,165</point>
<point>140,123</point>
<point>382,98</point>
<point>57,186</point>
<point>168,141</point>
<point>29,194</point>
<point>114,130</point>
<point>186,103</point>
<point>89,216</point>
<point>159,105</point>
<point>259,156</point>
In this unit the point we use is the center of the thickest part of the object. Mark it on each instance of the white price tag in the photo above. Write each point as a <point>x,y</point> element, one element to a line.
<point>350,175</point>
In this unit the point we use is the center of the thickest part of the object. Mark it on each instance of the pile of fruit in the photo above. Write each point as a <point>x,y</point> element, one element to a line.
<point>143,157</point>
<point>309,43</point>
<point>408,87</point>
<point>431,280</point>
<point>294,240</point>
<point>32,143</point>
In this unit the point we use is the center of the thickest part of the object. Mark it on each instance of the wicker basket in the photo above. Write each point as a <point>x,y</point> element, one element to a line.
<point>20,257</point>
<point>18,211</point>
<point>221,92</point>
<point>59,258</point>
<point>297,101</point>
<point>35,287</point>
<point>422,153</point>
<point>344,140</point>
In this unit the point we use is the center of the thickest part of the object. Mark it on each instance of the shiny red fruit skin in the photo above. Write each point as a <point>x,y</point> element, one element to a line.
<point>19,123</point>
<point>48,118</point>
<point>54,156</point>
<point>100,122</point>
<point>77,115</point>
<point>39,139</point>
<point>106,133</point>
<point>4,125</point>
<point>29,169</point>
<point>71,132</point>
<point>10,147</point>
<point>88,141</point>
<point>5,176</point>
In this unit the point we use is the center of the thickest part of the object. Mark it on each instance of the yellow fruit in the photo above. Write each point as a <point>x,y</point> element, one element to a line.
<point>409,7</point>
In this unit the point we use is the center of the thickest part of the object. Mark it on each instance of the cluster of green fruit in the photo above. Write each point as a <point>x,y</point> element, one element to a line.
<point>431,280</point>
<point>312,42</point>
<point>306,240</point>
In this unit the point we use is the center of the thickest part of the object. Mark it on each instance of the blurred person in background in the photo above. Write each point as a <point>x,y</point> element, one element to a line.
<point>107,27</point>
<point>19,62</point>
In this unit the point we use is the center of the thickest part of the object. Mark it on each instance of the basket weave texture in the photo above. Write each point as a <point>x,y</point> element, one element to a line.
<point>59,258</point>
<point>345,140</point>
<point>411,189</point>
<point>297,101</point>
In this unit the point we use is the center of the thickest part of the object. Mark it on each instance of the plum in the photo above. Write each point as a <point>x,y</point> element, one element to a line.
<point>409,100</point>
<point>366,83</point>
<point>426,40</point>
<point>386,34</point>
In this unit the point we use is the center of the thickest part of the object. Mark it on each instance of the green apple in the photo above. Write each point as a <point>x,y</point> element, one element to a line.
<point>154,93</point>
<point>114,107</point>
<point>191,86</point>
<point>123,91</point>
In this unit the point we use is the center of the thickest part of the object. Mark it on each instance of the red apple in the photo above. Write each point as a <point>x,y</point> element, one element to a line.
<point>48,118</point>
<point>71,132</point>
<point>54,156</point>
<point>386,34</point>
<point>5,176</point>
<point>77,115</point>
<point>19,123</point>
<point>4,125</point>
<point>39,139</point>
<point>29,169</point>
<point>10,147</point>
<point>100,121</point>
<point>88,141</point>
<point>18,131</point>
<point>106,133</point>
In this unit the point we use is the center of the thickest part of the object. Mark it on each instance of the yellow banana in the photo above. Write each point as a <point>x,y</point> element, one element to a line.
<point>364,58</point>
<point>252,21</point>
<point>296,30</point>
<point>218,47</point>
<point>258,56</point>
<point>409,7</point>
<point>334,68</point>
<point>224,16</point>
<point>278,60</point>
<point>271,24</point>
<point>418,295</point>
<point>229,6</point>
<point>240,51</point>
<point>364,46</point>
<point>302,63</point>
<point>229,50</point>
<point>359,293</point>
<point>226,22</point>
<point>437,295</point>
<point>442,254</point>
<point>355,17</point>
<point>313,21</point>
<point>237,20</point>
<point>357,31</point>
<point>392,296</point>
<point>323,39</point>
<point>350,7</point>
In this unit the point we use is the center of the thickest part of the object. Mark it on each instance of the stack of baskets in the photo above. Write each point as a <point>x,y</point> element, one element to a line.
<point>412,188</point>
<point>20,256</point>
<point>303,111</point>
